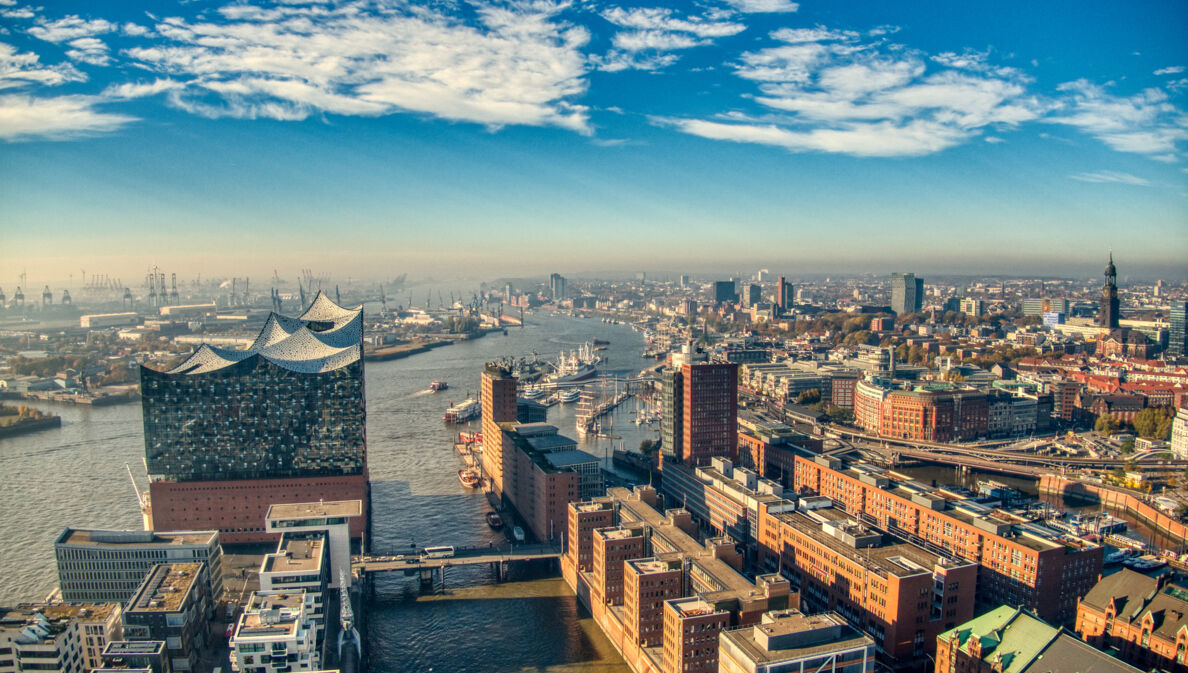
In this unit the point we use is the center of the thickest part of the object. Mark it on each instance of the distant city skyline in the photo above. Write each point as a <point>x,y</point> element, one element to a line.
<point>583,138</point>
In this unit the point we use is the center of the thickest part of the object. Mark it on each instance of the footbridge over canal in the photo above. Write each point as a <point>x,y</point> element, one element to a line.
<point>432,570</point>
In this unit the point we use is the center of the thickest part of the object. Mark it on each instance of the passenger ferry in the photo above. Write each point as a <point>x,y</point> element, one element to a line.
<point>436,386</point>
<point>463,411</point>
<point>468,477</point>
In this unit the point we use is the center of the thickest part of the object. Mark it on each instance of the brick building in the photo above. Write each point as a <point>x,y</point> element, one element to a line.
<point>1018,566</point>
<point>1143,619</point>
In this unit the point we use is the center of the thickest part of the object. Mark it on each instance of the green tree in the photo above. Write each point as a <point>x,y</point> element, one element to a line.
<point>810,396</point>
<point>1106,425</point>
<point>838,414</point>
<point>1127,445</point>
<point>647,446</point>
<point>1154,422</point>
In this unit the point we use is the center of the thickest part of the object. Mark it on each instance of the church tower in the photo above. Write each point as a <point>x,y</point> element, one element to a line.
<point>1109,297</point>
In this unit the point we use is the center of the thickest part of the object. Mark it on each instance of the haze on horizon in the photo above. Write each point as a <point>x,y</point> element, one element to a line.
<point>502,138</point>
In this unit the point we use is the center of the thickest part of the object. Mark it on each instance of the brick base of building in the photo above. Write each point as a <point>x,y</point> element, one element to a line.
<point>237,508</point>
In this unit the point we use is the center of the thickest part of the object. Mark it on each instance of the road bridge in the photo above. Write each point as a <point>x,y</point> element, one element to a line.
<point>433,570</point>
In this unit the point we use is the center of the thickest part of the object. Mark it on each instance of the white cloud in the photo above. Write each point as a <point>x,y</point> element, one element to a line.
<point>1170,70</point>
<point>134,30</point>
<point>1145,123</point>
<point>518,64</point>
<point>22,13</point>
<point>665,20</point>
<point>25,117</point>
<point>70,28</point>
<point>650,34</point>
<point>829,91</point>
<point>19,69</point>
<point>1111,176</point>
<point>90,50</point>
<point>129,90</point>
<point>764,6</point>
<point>994,140</point>
<point>818,34</point>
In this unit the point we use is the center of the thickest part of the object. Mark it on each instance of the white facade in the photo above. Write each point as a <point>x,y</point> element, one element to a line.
<point>333,517</point>
<point>63,638</point>
<point>1179,434</point>
<point>276,633</point>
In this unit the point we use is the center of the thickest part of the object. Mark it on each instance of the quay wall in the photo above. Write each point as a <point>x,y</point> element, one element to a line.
<point>1118,500</point>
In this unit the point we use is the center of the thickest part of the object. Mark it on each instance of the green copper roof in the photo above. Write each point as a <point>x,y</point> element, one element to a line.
<point>1006,634</point>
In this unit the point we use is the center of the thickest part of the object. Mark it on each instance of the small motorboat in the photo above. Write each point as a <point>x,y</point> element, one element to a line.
<point>436,386</point>
<point>494,520</point>
<point>468,477</point>
<point>518,534</point>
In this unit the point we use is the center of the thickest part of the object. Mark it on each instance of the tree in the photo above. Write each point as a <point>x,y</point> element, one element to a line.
<point>810,396</point>
<point>1154,422</point>
<point>1127,445</point>
<point>838,414</point>
<point>1106,425</point>
<point>647,446</point>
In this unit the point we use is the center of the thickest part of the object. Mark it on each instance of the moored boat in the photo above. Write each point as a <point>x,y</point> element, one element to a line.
<point>468,477</point>
<point>1145,563</point>
<point>569,396</point>
<point>494,520</point>
<point>518,534</point>
<point>463,411</point>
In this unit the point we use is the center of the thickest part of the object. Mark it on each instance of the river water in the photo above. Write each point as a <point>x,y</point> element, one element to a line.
<point>75,476</point>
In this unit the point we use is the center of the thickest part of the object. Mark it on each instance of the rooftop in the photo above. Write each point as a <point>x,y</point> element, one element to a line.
<point>693,607</point>
<point>82,536</point>
<point>574,457</point>
<point>166,587</point>
<point>306,510</point>
<point>790,634</point>
<point>647,566</point>
<point>890,557</point>
<point>324,338</point>
<point>295,556</point>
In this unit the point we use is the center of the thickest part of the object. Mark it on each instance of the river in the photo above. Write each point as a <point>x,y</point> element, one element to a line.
<point>75,476</point>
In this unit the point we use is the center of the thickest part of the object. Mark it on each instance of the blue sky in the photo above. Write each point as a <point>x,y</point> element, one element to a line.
<point>365,137</point>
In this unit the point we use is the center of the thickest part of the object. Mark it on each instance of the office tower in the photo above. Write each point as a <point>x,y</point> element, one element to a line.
<point>229,432</point>
<point>1177,344</point>
<point>907,293</point>
<point>706,414</point>
<point>647,583</point>
<point>498,396</point>
<point>557,287</point>
<point>1108,316</point>
<point>754,295</point>
<point>684,281</point>
<point>691,628</point>
<point>100,566</point>
<point>724,292</point>
<point>783,294</point>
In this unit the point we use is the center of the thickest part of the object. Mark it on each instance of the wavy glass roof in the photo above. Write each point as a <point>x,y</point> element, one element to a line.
<point>324,338</point>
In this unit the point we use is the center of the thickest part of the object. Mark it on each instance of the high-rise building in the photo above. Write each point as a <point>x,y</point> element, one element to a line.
<point>691,628</point>
<point>754,294</point>
<point>699,404</point>
<point>1177,343</point>
<point>498,396</point>
<point>557,287</point>
<point>907,293</point>
<point>724,292</point>
<point>1108,316</point>
<point>229,432</point>
<point>684,280</point>
<point>783,294</point>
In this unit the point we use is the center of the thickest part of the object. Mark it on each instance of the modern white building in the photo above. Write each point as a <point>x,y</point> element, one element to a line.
<point>333,517</point>
<point>301,563</point>
<point>275,634</point>
<point>96,566</point>
<point>1179,434</point>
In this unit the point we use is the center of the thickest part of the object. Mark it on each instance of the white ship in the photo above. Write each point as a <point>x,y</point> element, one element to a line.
<point>578,365</point>
<point>463,411</point>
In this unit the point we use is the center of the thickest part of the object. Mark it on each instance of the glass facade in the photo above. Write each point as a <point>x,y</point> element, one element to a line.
<point>254,420</point>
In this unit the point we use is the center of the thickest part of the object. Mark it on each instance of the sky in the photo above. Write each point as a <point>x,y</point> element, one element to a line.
<point>373,138</point>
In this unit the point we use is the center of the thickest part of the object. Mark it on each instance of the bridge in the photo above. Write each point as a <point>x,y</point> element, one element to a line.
<point>433,570</point>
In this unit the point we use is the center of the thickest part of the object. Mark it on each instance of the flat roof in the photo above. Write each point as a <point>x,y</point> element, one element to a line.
<point>95,537</point>
<point>295,556</point>
<point>306,510</point>
<point>736,586</point>
<point>896,558</point>
<point>130,648</point>
<point>647,566</point>
<point>618,533</point>
<point>166,587</point>
<point>744,638</point>
<point>567,458</point>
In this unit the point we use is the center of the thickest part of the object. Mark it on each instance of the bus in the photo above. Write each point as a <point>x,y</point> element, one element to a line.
<point>437,552</point>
